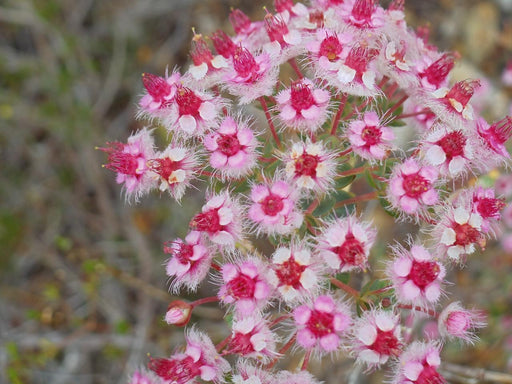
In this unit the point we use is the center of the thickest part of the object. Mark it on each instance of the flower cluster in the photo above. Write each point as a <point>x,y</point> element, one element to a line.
<point>282,230</point>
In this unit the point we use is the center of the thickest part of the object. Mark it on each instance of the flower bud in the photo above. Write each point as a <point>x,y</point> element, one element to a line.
<point>178,313</point>
<point>457,322</point>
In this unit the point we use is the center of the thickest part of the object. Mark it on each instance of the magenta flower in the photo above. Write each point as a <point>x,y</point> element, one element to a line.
<point>130,162</point>
<point>273,208</point>
<point>247,285</point>
<point>362,14</point>
<point>493,138</point>
<point>321,324</point>
<point>345,244</point>
<point>160,92</point>
<point>369,138</point>
<point>411,187</point>
<point>418,365</point>
<point>200,360</point>
<point>376,337</point>
<point>356,76</point>
<point>205,66</point>
<point>456,322</point>
<point>416,276</point>
<point>233,148</point>
<point>189,262</point>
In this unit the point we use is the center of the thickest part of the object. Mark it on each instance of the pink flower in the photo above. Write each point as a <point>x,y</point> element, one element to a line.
<point>143,377</point>
<point>160,93</point>
<point>233,148</point>
<point>345,244</point>
<point>130,161</point>
<point>455,322</point>
<point>369,138</point>
<point>220,219</point>
<point>310,166</point>
<point>285,43</point>
<point>356,76</point>
<point>303,106</point>
<point>483,202</point>
<point>193,112</point>
<point>205,66</point>
<point>296,273</point>
<point>411,187</point>
<point>274,208</point>
<point>458,230</point>
<point>451,151</point>
<point>247,285</point>
<point>189,262</point>
<point>178,313</point>
<point>321,324</point>
<point>434,74</point>
<point>176,168</point>
<point>247,373</point>
<point>363,14</point>
<point>418,365</point>
<point>252,338</point>
<point>416,276</point>
<point>376,337</point>
<point>200,360</point>
<point>250,76</point>
<point>494,138</point>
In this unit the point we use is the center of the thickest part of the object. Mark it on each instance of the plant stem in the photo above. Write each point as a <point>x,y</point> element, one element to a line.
<point>204,300</point>
<point>366,197</point>
<point>411,307</point>
<point>269,120</point>
<point>337,118</point>
<point>351,291</point>
<point>295,67</point>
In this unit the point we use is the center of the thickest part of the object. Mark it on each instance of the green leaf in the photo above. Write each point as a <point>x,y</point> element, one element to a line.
<point>325,207</point>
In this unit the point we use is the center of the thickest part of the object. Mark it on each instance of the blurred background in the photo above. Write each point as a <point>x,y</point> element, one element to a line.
<point>82,284</point>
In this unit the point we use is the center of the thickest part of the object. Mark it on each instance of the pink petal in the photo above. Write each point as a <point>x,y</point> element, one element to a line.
<point>330,342</point>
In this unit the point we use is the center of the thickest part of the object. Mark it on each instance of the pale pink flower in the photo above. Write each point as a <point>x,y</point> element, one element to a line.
<point>246,373</point>
<point>493,138</point>
<point>362,14</point>
<point>356,76</point>
<point>394,60</point>
<point>376,337</point>
<point>130,162</point>
<point>411,187</point>
<point>416,276</point>
<point>456,322</point>
<point>345,244</point>
<point>205,66</point>
<point>321,324</point>
<point>419,364</point>
<point>178,313</point>
<point>285,43</point>
<point>144,377</point>
<point>274,209</point>
<point>176,168</point>
<point>193,112</point>
<point>189,262</point>
<point>303,106</point>
<point>300,377</point>
<point>232,147</point>
<point>247,285</point>
<point>250,77</point>
<point>423,119</point>
<point>482,201</point>
<point>296,272</point>
<point>159,94</point>
<point>310,166</point>
<point>200,360</point>
<point>450,151</point>
<point>250,34</point>
<point>433,75</point>
<point>458,231</point>
<point>369,138</point>
<point>220,219</point>
<point>251,338</point>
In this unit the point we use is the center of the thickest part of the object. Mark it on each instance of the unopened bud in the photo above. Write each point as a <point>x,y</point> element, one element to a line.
<point>178,313</point>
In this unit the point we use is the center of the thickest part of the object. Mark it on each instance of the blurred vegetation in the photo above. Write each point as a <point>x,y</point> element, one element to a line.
<point>82,286</point>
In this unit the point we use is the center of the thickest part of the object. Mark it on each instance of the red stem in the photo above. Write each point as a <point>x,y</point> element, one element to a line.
<point>345,152</point>
<point>295,67</point>
<point>429,312</point>
<point>204,300</point>
<point>337,118</point>
<point>306,360</point>
<point>269,120</point>
<point>351,291</point>
<point>422,112</point>
<point>216,267</point>
<point>279,319</point>
<point>356,171</point>
<point>283,350</point>
<point>223,343</point>
<point>395,107</point>
<point>366,197</point>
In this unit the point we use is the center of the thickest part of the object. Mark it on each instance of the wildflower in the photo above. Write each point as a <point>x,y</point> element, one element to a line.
<point>233,148</point>
<point>160,92</point>
<point>303,106</point>
<point>345,244</point>
<point>284,42</point>
<point>176,168</point>
<point>130,162</point>
<point>376,337</point>
<point>416,276</point>
<point>273,208</point>
<point>418,364</point>
<point>369,138</point>
<point>435,75</point>
<point>223,44</point>
<point>143,377</point>
<point>321,324</point>
<point>252,338</point>
<point>301,377</point>
<point>363,14</point>
<point>310,166</point>
<point>457,322</point>
<point>246,284</point>
<point>203,61</point>
<point>246,373</point>
<point>483,202</point>
<point>411,187</point>
<point>459,229</point>
<point>200,360</point>
<point>178,313</point>
<point>356,76</point>
<point>296,273</point>
<point>494,138</point>
<point>189,262</point>
<point>250,34</point>
<point>220,220</point>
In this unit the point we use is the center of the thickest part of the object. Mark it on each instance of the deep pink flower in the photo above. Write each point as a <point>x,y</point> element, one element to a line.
<point>363,14</point>
<point>416,276</point>
<point>143,377</point>
<point>434,75</point>
<point>204,64</point>
<point>411,187</point>
<point>159,94</point>
<point>494,138</point>
<point>418,365</point>
<point>356,76</point>
<point>456,322</point>
<point>321,324</point>
<point>369,138</point>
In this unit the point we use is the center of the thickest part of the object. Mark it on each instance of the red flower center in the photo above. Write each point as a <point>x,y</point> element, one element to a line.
<point>424,272</point>
<point>465,234</point>
<point>239,20</point>
<point>177,371</point>
<point>276,28</point>
<point>463,91</point>
<point>184,253</point>
<point>229,144</point>
<point>164,167</point>
<point>453,144</point>
<point>437,72</point>
<point>223,44</point>
<point>122,162</point>
<point>272,204</point>
<point>330,47</point>
<point>358,59</point>
<point>301,96</point>
<point>188,102</point>
<point>371,135</point>
<point>351,252</point>
<point>242,287</point>
<point>157,87</point>
<point>200,53</point>
<point>362,11</point>
<point>320,323</point>
<point>208,221</point>
<point>429,375</point>
<point>386,344</point>
<point>415,185</point>
<point>488,207</point>
<point>306,165</point>
<point>289,273</point>
<point>241,344</point>
<point>245,64</point>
